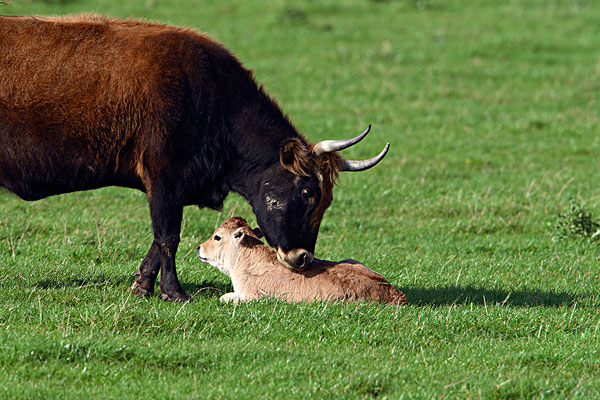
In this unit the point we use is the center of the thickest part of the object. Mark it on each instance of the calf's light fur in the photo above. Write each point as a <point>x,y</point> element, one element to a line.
<point>255,272</point>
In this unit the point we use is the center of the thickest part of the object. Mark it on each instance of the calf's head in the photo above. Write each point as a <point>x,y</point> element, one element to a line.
<point>294,194</point>
<point>220,250</point>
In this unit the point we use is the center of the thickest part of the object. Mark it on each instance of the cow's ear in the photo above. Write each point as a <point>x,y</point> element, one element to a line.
<point>239,234</point>
<point>294,157</point>
<point>257,232</point>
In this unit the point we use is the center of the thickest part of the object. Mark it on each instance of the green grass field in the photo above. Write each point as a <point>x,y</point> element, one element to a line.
<point>492,111</point>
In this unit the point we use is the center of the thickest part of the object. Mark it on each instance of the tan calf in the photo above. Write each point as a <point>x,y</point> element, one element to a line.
<point>234,248</point>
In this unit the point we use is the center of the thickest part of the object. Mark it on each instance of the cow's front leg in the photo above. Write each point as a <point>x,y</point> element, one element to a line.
<point>166,212</point>
<point>146,275</point>
<point>170,288</point>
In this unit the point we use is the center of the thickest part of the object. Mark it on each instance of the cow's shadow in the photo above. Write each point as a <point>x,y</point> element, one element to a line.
<point>207,288</point>
<point>85,281</point>
<point>204,289</point>
<point>448,295</point>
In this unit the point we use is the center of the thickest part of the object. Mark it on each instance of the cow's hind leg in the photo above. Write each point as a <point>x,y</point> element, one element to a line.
<point>146,275</point>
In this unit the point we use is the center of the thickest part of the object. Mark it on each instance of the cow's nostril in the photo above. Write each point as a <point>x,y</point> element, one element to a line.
<point>301,263</point>
<point>297,259</point>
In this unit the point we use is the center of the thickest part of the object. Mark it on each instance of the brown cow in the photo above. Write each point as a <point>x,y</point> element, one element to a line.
<point>234,248</point>
<point>88,101</point>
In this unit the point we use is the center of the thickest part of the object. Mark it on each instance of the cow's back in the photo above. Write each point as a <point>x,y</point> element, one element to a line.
<point>83,98</point>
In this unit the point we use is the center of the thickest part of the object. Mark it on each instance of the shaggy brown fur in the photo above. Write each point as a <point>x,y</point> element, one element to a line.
<point>255,272</point>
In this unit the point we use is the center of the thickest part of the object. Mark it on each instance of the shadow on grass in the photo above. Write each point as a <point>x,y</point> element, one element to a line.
<point>439,296</point>
<point>207,289</point>
<point>443,296</point>
<point>96,280</point>
<point>203,289</point>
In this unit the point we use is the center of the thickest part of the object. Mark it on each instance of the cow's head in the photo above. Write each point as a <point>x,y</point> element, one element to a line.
<point>294,194</point>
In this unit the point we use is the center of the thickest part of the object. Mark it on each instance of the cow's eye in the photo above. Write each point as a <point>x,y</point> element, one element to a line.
<point>307,194</point>
<point>217,238</point>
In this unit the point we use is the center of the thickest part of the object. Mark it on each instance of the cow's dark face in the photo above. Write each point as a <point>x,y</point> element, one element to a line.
<point>286,208</point>
<point>290,202</point>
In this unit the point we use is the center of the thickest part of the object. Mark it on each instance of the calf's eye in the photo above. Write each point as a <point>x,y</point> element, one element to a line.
<point>217,238</point>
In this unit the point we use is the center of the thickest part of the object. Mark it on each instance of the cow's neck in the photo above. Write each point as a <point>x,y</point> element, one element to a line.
<point>258,132</point>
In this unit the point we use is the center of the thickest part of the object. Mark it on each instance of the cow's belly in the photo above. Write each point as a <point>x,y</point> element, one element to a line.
<point>36,162</point>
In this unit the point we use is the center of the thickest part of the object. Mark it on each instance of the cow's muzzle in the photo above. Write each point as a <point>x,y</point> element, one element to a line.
<point>295,259</point>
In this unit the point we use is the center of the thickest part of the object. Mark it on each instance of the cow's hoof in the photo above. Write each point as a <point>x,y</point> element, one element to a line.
<point>141,290</point>
<point>176,296</point>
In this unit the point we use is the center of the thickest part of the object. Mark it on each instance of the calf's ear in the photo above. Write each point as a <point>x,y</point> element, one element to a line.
<point>238,235</point>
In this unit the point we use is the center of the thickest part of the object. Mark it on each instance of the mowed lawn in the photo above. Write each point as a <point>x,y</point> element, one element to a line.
<point>492,111</point>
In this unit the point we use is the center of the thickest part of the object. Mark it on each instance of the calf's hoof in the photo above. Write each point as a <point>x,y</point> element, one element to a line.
<point>230,298</point>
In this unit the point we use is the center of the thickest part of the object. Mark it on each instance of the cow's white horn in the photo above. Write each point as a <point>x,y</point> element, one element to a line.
<point>327,146</point>
<point>361,165</point>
